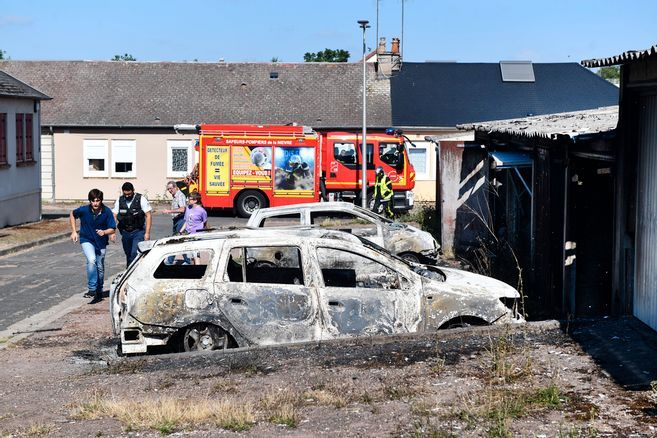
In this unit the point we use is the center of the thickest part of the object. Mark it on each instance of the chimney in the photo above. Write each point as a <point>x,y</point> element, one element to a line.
<point>382,46</point>
<point>387,62</point>
<point>395,46</point>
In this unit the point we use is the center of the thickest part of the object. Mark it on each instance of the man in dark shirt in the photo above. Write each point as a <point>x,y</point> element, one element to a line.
<point>96,224</point>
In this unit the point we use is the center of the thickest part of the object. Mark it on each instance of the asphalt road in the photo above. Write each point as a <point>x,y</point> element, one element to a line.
<point>37,279</point>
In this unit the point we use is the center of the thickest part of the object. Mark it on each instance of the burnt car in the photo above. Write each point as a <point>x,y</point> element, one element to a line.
<point>403,240</point>
<point>247,287</point>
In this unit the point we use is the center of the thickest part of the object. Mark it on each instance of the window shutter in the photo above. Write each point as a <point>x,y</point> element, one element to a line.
<point>29,146</point>
<point>19,138</point>
<point>3,138</point>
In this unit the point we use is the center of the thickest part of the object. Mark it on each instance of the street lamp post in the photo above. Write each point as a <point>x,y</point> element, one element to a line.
<point>363,194</point>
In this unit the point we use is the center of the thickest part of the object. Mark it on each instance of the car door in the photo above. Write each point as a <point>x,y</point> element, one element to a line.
<point>360,295</point>
<point>264,295</point>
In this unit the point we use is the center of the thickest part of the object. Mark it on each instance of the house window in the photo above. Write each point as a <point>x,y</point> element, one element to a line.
<point>3,139</point>
<point>124,158</point>
<point>419,158</point>
<point>20,139</point>
<point>95,158</point>
<point>179,158</point>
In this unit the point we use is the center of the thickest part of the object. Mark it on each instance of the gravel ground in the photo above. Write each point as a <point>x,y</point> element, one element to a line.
<point>531,380</point>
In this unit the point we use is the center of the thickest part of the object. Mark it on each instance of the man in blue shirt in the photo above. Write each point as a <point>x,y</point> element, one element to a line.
<point>96,225</point>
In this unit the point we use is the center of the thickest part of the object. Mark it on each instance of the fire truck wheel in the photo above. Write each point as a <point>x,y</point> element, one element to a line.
<point>248,202</point>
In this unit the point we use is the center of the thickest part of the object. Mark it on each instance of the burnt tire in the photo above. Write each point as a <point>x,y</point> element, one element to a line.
<point>248,202</point>
<point>410,257</point>
<point>204,337</point>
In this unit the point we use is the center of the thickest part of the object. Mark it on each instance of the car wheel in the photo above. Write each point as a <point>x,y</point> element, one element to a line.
<point>204,337</point>
<point>250,201</point>
<point>410,257</point>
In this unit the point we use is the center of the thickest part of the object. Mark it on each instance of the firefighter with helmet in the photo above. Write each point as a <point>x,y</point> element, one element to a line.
<point>382,192</point>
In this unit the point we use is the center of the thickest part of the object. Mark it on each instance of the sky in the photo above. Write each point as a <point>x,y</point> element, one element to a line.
<point>260,30</point>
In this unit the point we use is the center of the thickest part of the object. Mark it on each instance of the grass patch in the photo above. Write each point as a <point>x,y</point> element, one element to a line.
<point>38,429</point>
<point>285,415</point>
<point>327,397</point>
<point>497,407</point>
<point>273,399</point>
<point>166,414</point>
<point>399,392</point>
<point>508,363</point>
<point>549,397</point>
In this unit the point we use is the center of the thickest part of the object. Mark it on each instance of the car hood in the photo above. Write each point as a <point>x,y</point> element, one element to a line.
<point>407,238</point>
<point>469,284</point>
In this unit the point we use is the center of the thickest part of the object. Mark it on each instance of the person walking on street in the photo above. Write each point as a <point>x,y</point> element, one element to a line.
<point>196,218</point>
<point>178,205</point>
<point>96,225</point>
<point>133,214</point>
<point>382,193</point>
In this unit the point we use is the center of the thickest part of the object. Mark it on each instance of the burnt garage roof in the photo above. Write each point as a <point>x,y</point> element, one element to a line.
<point>570,124</point>
<point>623,58</point>
<point>448,94</point>
<point>162,94</point>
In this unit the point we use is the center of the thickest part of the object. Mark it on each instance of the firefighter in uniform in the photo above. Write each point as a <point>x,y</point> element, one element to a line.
<point>382,192</point>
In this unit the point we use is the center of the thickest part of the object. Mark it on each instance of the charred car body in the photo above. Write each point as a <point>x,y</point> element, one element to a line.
<point>403,240</point>
<point>260,287</point>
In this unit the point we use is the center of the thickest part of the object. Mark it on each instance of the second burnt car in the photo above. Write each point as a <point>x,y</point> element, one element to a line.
<point>262,287</point>
<point>404,240</point>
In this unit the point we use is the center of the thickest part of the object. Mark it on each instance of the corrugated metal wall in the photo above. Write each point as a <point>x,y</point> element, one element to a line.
<point>645,275</point>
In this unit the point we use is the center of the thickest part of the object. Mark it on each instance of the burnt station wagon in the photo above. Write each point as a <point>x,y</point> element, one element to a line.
<point>257,287</point>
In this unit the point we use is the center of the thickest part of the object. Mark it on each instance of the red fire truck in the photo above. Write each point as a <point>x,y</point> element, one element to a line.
<point>247,167</point>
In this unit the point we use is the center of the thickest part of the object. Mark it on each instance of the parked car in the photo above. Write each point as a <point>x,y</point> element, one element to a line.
<point>404,240</point>
<point>261,287</point>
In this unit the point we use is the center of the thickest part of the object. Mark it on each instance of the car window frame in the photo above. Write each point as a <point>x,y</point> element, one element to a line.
<point>347,248</point>
<point>222,271</point>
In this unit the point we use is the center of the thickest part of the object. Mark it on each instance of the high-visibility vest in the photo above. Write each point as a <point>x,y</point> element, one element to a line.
<point>383,186</point>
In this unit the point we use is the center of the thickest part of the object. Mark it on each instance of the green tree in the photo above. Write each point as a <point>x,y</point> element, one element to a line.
<point>124,57</point>
<point>611,73</point>
<point>327,55</point>
<point>3,55</point>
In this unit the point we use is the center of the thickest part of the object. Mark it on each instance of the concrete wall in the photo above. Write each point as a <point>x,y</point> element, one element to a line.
<point>20,185</point>
<point>47,168</point>
<point>150,167</point>
<point>456,186</point>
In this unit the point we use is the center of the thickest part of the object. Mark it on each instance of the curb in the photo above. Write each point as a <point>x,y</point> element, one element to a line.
<point>32,244</point>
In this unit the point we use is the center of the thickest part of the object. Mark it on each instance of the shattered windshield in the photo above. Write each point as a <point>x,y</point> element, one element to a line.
<point>387,222</point>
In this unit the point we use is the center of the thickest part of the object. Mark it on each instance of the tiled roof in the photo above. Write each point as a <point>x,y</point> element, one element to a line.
<point>449,94</point>
<point>623,58</point>
<point>152,94</point>
<point>12,87</point>
<point>570,124</point>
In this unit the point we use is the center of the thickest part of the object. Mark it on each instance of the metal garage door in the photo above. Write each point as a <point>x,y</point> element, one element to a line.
<point>645,291</point>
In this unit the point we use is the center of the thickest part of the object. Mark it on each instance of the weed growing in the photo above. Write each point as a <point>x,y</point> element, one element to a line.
<point>166,414</point>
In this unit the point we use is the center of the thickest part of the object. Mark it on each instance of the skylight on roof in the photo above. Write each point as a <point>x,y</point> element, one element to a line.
<point>517,71</point>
